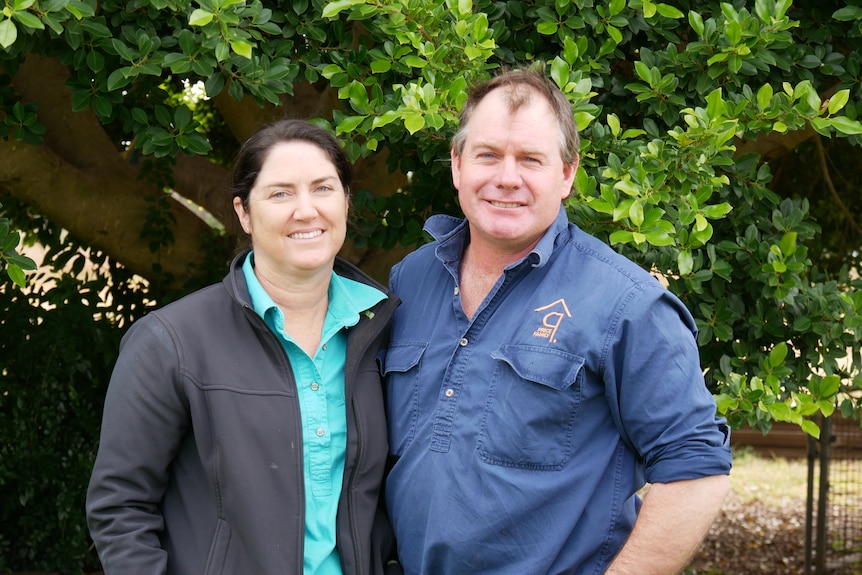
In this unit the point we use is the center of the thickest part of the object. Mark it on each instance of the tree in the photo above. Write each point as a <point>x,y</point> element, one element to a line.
<point>689,112</point>
<point>721,141</point>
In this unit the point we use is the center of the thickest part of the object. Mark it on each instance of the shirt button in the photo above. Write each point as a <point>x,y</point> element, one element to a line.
<point>450,392</point>
<point>463,342</point>
<point>315,386</point>
<point>457,291</point>
<point>320,432</point>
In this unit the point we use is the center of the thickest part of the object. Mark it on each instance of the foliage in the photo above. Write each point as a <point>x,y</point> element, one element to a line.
<point>52,385</point>
<point>718,143</point>
<point>14,262</point>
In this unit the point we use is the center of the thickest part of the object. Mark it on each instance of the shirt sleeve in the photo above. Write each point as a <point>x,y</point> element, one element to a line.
<point>657,392</point>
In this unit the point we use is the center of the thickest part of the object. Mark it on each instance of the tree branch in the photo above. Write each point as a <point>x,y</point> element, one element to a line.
<point>79,180</point>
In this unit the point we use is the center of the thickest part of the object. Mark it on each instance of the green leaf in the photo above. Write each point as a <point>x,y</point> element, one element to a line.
<point>415,61</point>
<point>636,215</point>
<point>182,118</point>
<point>20,261</point>
<point>830,385</point>
<point>685,262</point>
<point>118,79</point>
<point>643,71</point>
<point>762,9</point>
<point>414,122</point>
<point>788,244</point>
<point>845,125</point>
<point>560,71</point>
<point>200,17</point>
<point>649,9</point>
<point>614,124</point>
<point>764,96</point>
<point>29,20</point>
<point>214,84</point>
<point>95,61</point>
<point>621,237</point>
<point>717,211</point>
<point>848,13</point>
<point>778,354</point>
<point>349,124</point>
<point>627,187</point>
<point>16,275</point>
<point>241,48</point>
<point>810,428</point>
<point>332,9</point>
<point>547,28</point>
<point>8,33</point>
<point>838,101</point>
<point>669,11</point>
<point>122,49</point>
<point>695,20</point>
<point>380,66</point>
<point>779,411</point>
<point>715,105</point>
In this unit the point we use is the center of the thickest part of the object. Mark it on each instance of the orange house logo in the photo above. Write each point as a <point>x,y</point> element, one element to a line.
<point>555,312</point>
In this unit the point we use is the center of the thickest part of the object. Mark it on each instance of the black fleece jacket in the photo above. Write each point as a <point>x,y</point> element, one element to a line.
<point>199,469</point>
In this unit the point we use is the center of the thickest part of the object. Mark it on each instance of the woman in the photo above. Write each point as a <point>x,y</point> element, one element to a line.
<point>243,430</point>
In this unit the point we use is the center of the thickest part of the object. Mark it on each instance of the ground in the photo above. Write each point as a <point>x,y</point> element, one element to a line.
<point>761,530</point>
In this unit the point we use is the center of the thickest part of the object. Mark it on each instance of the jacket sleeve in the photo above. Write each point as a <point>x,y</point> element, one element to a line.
<point>144,420</point>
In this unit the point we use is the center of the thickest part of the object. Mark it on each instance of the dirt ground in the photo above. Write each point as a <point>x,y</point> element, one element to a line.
<point>761,530</point>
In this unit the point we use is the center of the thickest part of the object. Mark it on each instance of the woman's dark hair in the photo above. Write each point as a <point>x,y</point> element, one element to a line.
<point>253,153</point>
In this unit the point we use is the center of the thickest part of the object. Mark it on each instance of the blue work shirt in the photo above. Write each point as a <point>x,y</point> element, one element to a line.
<point>320,389</point>
<point>522,435</point>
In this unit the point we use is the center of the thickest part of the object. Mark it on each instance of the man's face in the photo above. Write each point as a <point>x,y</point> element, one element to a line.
<point>510,175</point>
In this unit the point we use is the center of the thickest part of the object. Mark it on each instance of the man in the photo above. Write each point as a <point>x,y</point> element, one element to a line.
<point>537,379</point>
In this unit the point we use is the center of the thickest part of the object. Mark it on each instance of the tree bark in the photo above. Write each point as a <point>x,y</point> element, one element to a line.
<point>79,179</point>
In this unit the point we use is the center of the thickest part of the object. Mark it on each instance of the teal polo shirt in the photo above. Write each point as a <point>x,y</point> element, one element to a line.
<point>320,387</point>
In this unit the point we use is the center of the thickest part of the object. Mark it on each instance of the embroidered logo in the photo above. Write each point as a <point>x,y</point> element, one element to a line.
<point>551,321</point>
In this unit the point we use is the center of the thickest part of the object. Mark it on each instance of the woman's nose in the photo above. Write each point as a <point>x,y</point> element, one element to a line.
<point>305,205</point>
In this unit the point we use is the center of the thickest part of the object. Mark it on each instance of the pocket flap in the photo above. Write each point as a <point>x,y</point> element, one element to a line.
<point>553,368</point>
<point>402,356</point>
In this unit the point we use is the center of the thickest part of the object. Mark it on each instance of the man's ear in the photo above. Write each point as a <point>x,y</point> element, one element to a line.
<point>569,173</point>
<point>455,161</point>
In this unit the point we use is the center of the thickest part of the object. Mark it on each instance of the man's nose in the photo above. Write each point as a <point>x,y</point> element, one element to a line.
<point>509,175</point>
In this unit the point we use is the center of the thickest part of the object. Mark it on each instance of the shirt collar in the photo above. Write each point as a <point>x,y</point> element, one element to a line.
<point>451,233</point>
<point>347,298</point>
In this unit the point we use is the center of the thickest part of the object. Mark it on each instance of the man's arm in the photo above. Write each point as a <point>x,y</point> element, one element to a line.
<point>672,523</point>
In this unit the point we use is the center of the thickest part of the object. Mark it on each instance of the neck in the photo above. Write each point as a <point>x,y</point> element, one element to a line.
<point>304,303</point>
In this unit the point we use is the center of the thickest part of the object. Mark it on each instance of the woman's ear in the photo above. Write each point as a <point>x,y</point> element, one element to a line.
<point>242,215</point>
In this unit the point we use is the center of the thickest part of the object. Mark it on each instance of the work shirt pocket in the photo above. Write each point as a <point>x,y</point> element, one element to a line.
<point>532,403</point>
<point>401,366</point>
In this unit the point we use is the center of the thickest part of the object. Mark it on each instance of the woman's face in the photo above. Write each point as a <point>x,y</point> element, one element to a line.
<point>297,211</point>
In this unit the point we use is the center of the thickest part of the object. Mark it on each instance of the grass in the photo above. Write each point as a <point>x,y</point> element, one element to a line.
<point>773,480</point>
